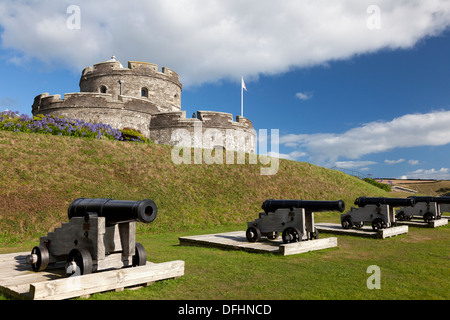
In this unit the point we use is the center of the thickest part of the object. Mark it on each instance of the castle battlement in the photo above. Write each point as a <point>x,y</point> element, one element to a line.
<point>208,119</point>
<point>45,103</point>
<point>135,68</point>
<point>168,127</point>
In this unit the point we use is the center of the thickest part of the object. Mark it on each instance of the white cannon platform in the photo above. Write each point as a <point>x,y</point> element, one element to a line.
<point>237,240</point>
<point>365,231</point>
<point>421,223</point>
<point>18,280</point>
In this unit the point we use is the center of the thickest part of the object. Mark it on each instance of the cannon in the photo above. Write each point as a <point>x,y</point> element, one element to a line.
<point>100,235</point>
<point>378,211</point>
<point>293,218</point>
<point>429,208</point>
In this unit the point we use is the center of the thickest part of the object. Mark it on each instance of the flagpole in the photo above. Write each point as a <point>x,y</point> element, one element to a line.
<point>242,97</point>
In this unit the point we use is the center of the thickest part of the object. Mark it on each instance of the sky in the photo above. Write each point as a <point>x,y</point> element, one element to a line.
<point>355,84</point>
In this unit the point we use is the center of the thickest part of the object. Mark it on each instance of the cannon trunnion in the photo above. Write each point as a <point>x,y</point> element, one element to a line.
<point>293,218</point>
<point>100,235</point>
<point>377,211</point>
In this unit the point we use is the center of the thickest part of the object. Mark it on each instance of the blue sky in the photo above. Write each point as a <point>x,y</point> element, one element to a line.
<point>342,91</point>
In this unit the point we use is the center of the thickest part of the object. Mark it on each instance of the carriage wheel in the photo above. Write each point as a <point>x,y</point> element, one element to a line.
<point>428,217</point>
<point>39,258</point>
<point>79,262</point>
<point>346,223</point>
<point>378,224</point>
<point>253,234</point>
<point>400,216</point>
<point>291,235</point>
<point>140,257</point>
<point>314,234</point>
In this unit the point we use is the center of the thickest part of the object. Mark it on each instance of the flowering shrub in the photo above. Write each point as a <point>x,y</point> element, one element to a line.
<point>129,134</point>
<point>12,121</point>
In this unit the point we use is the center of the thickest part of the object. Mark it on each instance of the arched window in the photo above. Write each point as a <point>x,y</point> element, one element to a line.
<point>102,89</point>
<point>144,92</point>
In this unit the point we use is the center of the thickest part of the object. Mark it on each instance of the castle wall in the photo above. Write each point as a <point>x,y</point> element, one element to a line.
<point>163,88</point>
<point>208,130</point>
<point>96,107</point>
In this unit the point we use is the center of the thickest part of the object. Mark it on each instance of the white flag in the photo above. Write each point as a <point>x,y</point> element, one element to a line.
<point>243,84</point>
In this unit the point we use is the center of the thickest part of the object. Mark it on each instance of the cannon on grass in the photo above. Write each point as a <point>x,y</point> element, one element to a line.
<point>100,235</point>
<point>428,208</point>
<point>377,211</point>
<point>294,219</point>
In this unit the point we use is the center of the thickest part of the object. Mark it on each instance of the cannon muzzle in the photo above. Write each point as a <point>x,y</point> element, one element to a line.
<point>394,202</point>
<point>271,205</point>
<point>445,200</point>
<point>114,211</point>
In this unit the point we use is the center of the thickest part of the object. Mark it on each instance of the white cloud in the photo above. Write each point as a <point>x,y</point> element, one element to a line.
<point>441,174</point>
<point>354,164</point>
<point>413,162</point>
<point>304,95</point>
<point>214,39</point>
<point>295,155</point>
<point>394,161</point>
<point>411,130</point>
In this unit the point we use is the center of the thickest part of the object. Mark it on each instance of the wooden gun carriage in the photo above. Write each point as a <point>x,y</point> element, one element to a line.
<point>428,208</point>
<point>293,218</point>
<point>377,211</point>
<point>100,235</point>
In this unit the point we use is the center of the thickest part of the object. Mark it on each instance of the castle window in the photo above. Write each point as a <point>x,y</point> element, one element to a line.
<point>144,92</point>
<point>102,89</point>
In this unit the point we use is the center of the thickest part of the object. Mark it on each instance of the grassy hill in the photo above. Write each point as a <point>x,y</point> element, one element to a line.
<point>40,175</point>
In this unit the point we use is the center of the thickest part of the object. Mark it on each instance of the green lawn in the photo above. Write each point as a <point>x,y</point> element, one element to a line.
<point>413,266</point>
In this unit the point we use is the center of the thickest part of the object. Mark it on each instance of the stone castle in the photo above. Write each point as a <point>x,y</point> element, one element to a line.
<point>142,98</point>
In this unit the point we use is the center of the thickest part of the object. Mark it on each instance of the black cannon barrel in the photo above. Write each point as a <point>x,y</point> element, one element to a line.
<point>271,205</point>
<point>431,199</point>
<point>395,202</point>
<point>115,211</point>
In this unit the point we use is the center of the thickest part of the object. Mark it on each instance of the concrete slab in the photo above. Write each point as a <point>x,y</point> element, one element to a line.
<point>363,232</point>
<point>421,223</point>
<point>237,240</point>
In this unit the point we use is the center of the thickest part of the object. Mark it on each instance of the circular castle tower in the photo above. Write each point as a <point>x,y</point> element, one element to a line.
<point>142,98</point>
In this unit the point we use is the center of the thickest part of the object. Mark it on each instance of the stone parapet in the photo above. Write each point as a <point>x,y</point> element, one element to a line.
<point>124,112</point>
<point>208,130</point>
